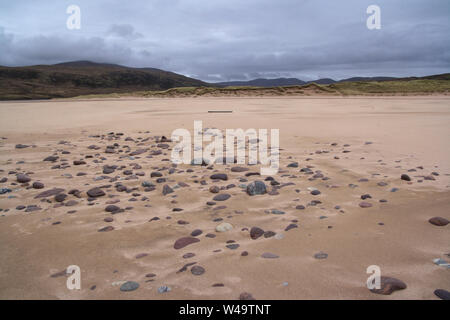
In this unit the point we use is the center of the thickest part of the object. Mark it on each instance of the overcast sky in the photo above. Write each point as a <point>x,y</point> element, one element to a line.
<point>219,40</point>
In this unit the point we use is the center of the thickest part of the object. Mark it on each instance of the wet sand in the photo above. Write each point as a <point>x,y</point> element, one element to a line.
<point>352,146</point>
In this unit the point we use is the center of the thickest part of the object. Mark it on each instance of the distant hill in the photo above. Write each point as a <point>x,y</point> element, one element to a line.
<point>266,83</point>
<point>85,77</point>
<point>283,82</point>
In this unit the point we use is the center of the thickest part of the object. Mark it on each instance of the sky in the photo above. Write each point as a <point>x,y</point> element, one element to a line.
<point>224,40</point>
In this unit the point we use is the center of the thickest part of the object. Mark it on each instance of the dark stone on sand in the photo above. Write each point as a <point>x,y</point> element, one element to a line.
<point>219,176</point>
<point>321,255</point>
<point>256,232</point>
<point>129,286</point>
<point>246,296</point>
<point>37,185</point>
<point>78,162</point>
<point>256,188</point>
<point>405,177</point>
<point>438,221</point>
<point>291,226</point>
<point>365,204</point>
<point>23,178</point>
<point>239,169</point>
<point>106,229</point>
<point>60,197</point>
<point>389,285</point>
<point>183,242</point>
<point>293,165</point>
<point>166,190</point>
<point>95,192</point>
<point>188,255</point>
<point>197,270</point>
<point>49,193</point>
<point>366,196</point>
<point>222,197</point>
<point>210,235</point>
<point>300,207</point>
<point>269,234</point>
<point>155,174</point>
<point>112,208</point>
<point>196,232</point>
<point>51,158</point>
<point>108,219</point>
<point>214,189</point>
<point>315,192</point>
<point>21,146</point>
<point>442,294</point>
<point>233,246</point>
<point>141,255</point>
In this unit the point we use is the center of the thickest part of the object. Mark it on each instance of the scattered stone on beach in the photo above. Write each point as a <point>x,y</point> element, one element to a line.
<point>442,294</point>
<point>405,177</point>
<point>166,190</point>
<point>164,289</point>
<point>112,208</point>
<point>185,241</point>
<point>224,227</point>
<point>95,192</point>
<point>129,286</point>
<point>246,296</point>
<point>37,185</point>
<point>256,188</point>
<point>239,169</point>
<point>60,197</point>
<point>365,204</point>
<point>49,193</point>
<point>389,285</point>
<point>197,270</point>
<point>219,176</point>
<point>196,232</point>
<point>291,226</point>
<point>23,178</point>
<point>438,221</point>
<point>222,197</point>
<point>320,255</point>
<point>214,189</point>
<point>269,255</point>
<point>106,229</point>
<point>256,232</point>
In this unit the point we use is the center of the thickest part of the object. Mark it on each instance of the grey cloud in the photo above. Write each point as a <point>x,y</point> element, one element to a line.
<point>237,40</point>
<point>124,31</point>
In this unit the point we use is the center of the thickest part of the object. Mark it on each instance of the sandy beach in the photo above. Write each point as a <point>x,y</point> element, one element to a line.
<point>288,243</point>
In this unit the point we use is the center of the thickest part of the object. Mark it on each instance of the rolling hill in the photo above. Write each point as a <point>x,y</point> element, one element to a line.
<point>76,78</point>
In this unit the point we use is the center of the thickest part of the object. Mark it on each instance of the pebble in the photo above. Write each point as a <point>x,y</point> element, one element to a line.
<point>224,227</point>
<point>164,289</point>
<point>222,197</point>
<point>291,226</point>
<point>219,176</point>
<point>246,296</point>
<point>256,188</point>
<point>129,286</point>
<point>438,221</point>
<point>442,294</point>
<point>269,255</point>
<point>197,270</point>
<point>321,255</point>
<point>95,192</point>
<point>405,177</point>
<point>256,232</point>
<point>37,185</point>
<point>365,204</point>
<point>196,232</point>
<point>166,189</point>
<point>23,178</point>
<point>185,241</point>
<point>389,285</point>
